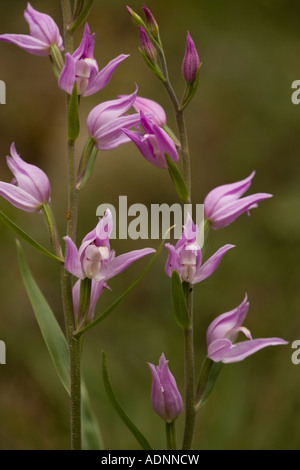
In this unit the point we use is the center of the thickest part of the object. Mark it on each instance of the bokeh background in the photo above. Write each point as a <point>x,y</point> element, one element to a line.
<point>241,119</point>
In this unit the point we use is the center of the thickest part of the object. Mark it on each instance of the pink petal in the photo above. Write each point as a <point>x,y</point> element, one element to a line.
<point>211,264</point>
<point>28,43</point>
<point>19,198</point>
<point>120,263</point>
<point>72,260</point>
<point>68,75</point>
<point>43,27</point>
<point>231,192</point>
<point>231,211</point>
<point>103,77</point>
<point>240,351</point>
<point>227,321</point>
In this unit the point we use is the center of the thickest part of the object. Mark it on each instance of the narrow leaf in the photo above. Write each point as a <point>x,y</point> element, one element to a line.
<point>180,186</point>
<point>208,376</point>
<point>18,231</point>
<point>178,301</point>
<point>91,436</point>
<point>82,16</point>
<point>118,408</point>
<point>50,329</point>
<point>58,348</point>
<point>78,8</point>
<point>73,116</point>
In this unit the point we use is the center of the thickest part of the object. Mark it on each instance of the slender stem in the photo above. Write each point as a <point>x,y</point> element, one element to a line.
<point>171,436</point>
<point>189,365</point>
<point>75,361</point>
<point>179,114</point>
<point>66,278</point>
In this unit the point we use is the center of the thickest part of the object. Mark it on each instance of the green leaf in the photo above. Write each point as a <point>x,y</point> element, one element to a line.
<point>58,348</point>
<point>180,186</point>
<point>91,436</point>
<point>86,165</point>
<point>118,408</point>
<point>209,373</point>
<point>18,231</point>
<point>50,329</point>
<point>190,91</point>
<point>73,116</point>
<point>178,301</point>
<point>117,302</point>
<point>153,67</point>
<point>82,16</point>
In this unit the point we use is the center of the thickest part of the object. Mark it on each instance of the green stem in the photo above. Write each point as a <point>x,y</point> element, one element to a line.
<point>75,359</point>
<point>66,278</point>
<point>189,365</point>
<point>179,114</point>
<point>171,436</point>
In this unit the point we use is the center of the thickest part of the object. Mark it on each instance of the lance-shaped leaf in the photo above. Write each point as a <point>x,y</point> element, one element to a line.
<point>208,376</point>
<point>118,408</point>
<point>178,301</point>
<point>82,17</point>
<point>50,329</point>
<point>73,116</point>
<point>91,435</point>
<point>179,183</point>
<point>20,233</point>
<point>58,348</point>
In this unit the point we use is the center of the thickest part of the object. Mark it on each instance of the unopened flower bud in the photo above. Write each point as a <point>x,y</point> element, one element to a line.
<point>191,62</point>
<point>146,46</point>
<point>135,17</point>
<point>165,397</point>
<point>151,22</point>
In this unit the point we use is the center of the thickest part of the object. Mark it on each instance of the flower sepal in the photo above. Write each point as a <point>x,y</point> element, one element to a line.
<point>190,91</point>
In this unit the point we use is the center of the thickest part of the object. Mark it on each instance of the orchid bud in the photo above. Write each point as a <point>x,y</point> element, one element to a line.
<point>151,22</point>
<point>146,46</point>
<point>135,17</point>
<point>191,62</point>
<point>165,397</point>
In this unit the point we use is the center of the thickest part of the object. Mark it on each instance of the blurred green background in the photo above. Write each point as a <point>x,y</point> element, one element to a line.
<point>241,119</point>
